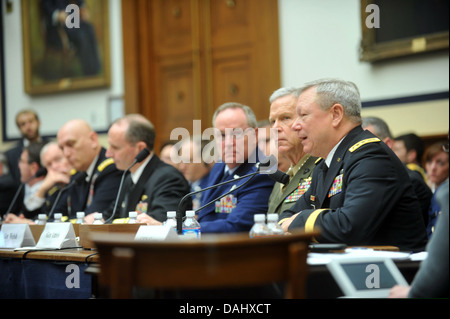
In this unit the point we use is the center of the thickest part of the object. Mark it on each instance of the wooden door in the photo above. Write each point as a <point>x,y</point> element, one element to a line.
<point>184,58</point>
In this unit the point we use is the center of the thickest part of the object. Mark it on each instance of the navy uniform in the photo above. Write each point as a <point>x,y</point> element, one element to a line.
<point>285,196</point>
<point>158,190</point>
<point>365,197</point>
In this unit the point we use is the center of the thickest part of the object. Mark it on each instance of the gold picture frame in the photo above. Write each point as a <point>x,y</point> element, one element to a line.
<point>405,29</point>
<point>65,56</point>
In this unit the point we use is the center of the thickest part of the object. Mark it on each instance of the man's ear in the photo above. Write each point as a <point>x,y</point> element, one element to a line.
<point>337,113</point>
<point>411,156</point>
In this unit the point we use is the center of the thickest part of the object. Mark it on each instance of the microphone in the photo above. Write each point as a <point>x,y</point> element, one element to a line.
<point>42,171</point>
<point>142,155</point>
<point>263,167</point>
<point>76,179</point>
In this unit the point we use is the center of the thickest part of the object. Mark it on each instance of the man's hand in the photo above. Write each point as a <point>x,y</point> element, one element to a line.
<point>285,225</point>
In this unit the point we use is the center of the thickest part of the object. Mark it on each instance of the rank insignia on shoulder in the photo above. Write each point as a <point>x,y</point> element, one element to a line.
<point>364,142</point>
<point>105,164</point>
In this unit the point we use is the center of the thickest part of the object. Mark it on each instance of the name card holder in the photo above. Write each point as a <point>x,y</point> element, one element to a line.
<point>16,236</point>
<point>156,233</point>
<point>55,236</point>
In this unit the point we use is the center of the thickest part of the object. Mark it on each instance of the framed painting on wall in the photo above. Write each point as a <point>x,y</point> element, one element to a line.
<point>392,29</point>
<point>65,45</point>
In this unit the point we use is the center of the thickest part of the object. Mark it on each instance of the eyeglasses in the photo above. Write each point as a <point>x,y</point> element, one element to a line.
<point>445,147</point>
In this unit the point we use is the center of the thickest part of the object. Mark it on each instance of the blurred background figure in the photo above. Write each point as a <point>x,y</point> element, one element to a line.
<point>409,148</point>
<point>167,152</point>
<point>437,168</point>
<point>196,163</point>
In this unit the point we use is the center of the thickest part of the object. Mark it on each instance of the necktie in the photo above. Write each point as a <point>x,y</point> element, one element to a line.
<point>224,176</point>
<point>91,190</point>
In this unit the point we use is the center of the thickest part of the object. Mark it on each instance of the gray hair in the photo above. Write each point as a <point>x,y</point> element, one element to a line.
<point>380,127</point>
<point>251,118</point>
<point>282,92</point>
<point>337,91</point>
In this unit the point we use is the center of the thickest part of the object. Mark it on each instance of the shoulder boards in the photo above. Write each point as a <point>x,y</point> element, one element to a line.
<point>363,142</point>
<point>318,160</point>
<point>73,171</point>
<point>53,190</point>
<point>105,164</point>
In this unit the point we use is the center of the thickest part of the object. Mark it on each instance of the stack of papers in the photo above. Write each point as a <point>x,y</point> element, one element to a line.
<point>354,253</point>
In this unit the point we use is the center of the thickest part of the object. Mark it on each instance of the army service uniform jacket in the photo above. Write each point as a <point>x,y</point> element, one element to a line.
<point>364,198</point>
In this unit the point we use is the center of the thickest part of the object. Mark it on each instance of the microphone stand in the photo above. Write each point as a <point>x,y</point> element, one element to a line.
<point>139,158</point>
<point>179,212</point>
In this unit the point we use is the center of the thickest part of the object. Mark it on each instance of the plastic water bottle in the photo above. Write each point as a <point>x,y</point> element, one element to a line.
<point>42,219</point>
<point>58,217</point>
<point>171,219</point>
<point>98,219</point>
<point>132,218</point>
<point>259,229</point>
<point>191,227</point>
<point>80,218</point>
<point>272,224</point>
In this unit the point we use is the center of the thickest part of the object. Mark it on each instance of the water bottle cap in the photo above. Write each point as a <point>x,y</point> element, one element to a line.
<point>171,214</point>
<point>272,217</point>
<point>190,213</point>
<point>132,214</point>
<point>259,217</point>
<point>42,216</point>
<point>98,215</point>
<point>58,216</point>
<point>80,214</point>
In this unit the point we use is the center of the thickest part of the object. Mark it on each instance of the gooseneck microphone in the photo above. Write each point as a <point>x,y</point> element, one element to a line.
<point>263,167</point>
<point>42,171</point>
<point>76,180</point>
<point>142,155</point>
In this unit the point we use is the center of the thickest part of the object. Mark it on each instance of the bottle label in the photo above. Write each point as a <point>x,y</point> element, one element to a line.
<point>191,232</point>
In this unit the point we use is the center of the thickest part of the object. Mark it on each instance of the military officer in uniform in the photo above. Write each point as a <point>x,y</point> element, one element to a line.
<point>82,149</point>
<point>282,115</point>
<point>360,193</point>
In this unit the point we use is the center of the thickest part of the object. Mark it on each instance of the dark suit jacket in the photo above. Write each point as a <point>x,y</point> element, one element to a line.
<point>366,198</point>
<point>251,199</point>
<point>105,179</point>
<point>159,188</point>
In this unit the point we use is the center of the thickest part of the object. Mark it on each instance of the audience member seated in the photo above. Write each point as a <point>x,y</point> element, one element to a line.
<point>437,168</point>
<point>29,164</point>
<point>153,187</point>
<point>28,123</point>
<point>409,148</point>
<point>167,152</point>
<point>236,139</point>
<point>378,127</point>
<point>360,192</point>
<point>81,147</point>
<point>58,175</point>
<point>282,115</point>
<point>195,164</point>
<point>7,185</point>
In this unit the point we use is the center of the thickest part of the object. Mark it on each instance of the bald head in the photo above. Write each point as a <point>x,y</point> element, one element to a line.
<point>79,143</point>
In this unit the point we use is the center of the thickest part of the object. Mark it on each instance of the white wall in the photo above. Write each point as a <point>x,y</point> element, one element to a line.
<point>55,110</point>
<point>320,38</point>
